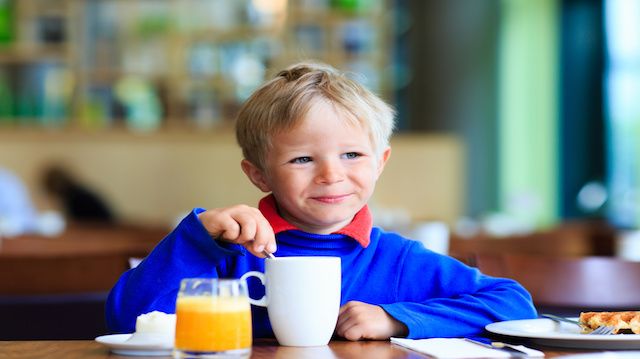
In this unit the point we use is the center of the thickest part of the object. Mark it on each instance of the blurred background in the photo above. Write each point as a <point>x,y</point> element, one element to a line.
<point>538,93</point>
<point>515,117</point>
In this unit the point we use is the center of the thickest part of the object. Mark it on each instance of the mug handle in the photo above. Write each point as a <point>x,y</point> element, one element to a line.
<point>262,302</point>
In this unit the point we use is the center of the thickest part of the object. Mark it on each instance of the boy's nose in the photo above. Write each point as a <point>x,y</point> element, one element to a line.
<point>330,173</point>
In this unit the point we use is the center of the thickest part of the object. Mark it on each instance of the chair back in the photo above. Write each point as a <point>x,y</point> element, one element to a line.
<point>570,285</point>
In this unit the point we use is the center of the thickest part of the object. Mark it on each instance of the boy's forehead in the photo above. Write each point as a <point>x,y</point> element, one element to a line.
<point>298,137</point>
<point>320,108</point>
<point>315,119</point>
<point>319,122</point>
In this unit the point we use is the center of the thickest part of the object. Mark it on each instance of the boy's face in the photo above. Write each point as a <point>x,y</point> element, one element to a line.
<point>322,172</point>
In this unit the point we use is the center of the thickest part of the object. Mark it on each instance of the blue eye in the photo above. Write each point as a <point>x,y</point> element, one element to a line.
<point>301,160</point>
<point>351,155</point>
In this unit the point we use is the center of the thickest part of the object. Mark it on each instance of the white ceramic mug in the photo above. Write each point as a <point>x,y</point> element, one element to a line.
<point>302,298</point>
<point>433,236</point>
<point>628,245</point>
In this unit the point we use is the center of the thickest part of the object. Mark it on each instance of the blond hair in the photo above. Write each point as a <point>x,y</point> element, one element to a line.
<point>284,101</point>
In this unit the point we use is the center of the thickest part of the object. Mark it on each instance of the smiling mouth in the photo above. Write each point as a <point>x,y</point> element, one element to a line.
<point>331,199</point>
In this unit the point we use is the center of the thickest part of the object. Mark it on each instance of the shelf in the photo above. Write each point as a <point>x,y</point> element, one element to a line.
<point>223,132</point>
<point>190,64</point>
<point>33,53</point>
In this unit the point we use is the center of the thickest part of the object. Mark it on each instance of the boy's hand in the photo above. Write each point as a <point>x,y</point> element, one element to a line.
<point>358,320</point>
<point>240,224</point>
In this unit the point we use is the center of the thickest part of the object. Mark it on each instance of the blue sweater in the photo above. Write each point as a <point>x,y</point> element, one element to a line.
<point>434,295</point>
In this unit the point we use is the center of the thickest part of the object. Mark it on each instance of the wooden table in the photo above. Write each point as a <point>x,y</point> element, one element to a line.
<point>88,349</point>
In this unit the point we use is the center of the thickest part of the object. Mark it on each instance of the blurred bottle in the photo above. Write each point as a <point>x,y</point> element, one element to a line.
<point>6,98</point>
<point>6,22</point>
<point>144,108</point>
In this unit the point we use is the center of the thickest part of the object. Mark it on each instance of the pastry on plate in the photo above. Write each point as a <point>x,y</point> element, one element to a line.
<point>624,322</point>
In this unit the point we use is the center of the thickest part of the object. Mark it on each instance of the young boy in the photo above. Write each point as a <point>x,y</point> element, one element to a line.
<point>317,141</point>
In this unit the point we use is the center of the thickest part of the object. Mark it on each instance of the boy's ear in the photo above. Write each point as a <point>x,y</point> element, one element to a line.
<point>256,175</point>
<point>383,160</point>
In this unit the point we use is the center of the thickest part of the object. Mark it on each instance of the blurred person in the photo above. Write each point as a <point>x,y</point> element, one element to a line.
<point>17,212</point>
<point>79,203</point>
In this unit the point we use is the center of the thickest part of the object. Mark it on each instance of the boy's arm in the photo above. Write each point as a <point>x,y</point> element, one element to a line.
<point>188,251</point>
<point>463,300</point>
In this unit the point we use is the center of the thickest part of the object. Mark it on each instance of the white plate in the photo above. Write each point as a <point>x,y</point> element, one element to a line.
<point>547,332</point>
<point>119,345</point>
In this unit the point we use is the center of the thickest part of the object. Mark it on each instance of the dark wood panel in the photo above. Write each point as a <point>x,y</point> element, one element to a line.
<point>86,258</point>
<point>56,288</point>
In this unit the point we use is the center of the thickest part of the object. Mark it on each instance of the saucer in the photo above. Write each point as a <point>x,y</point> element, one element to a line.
<point>119,344</point>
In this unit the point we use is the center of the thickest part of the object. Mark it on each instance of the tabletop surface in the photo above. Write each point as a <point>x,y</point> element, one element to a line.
<point>89,349</point>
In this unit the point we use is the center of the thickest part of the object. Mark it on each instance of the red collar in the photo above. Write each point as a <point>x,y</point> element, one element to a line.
<point>359,229</point>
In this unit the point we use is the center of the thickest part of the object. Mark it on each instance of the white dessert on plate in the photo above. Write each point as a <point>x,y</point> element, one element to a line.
<point>155,327</point>
<point>154,336</point>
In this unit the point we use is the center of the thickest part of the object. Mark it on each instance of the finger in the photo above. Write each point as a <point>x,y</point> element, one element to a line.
<point>265,238</point>
<point>229,229</point>
<point>215,221</point>
<point>350,306</point>
<point>257,234</point>
<point>243,225</point>
<point>247,227</point>
<point>344,314</point>
<point>341,328</point>
<point>353,332</point>
<point>347,318</point>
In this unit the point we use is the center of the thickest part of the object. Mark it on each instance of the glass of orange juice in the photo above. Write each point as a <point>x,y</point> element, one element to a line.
<point>213,319</point>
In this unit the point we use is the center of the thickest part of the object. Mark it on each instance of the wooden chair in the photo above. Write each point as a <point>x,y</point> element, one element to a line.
<point>571,239</point>
<point>567,286</point>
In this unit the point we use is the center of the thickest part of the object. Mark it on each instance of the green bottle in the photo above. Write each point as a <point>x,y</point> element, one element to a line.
<point>6,22</point>
<point>6,99</point>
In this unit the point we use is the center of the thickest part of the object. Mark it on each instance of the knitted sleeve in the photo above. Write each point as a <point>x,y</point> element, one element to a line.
<point>438,296</point>
<point>188,251</point>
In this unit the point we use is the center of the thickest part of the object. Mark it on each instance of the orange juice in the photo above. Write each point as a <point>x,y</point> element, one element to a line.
<point>211,324</point>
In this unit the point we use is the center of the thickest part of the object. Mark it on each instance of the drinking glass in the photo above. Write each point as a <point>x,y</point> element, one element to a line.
<point>213,319</point>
